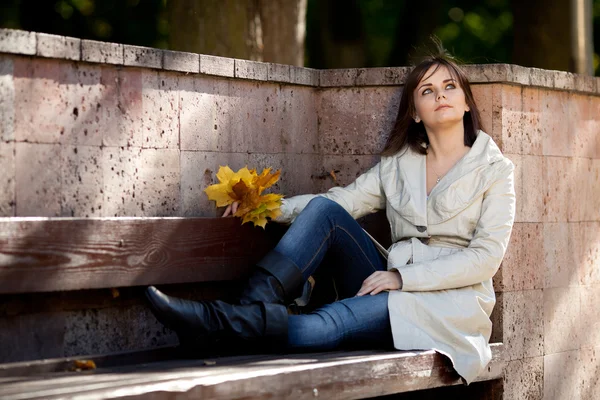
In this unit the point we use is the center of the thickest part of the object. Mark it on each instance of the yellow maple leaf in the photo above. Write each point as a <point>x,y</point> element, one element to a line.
<point>246,186</point>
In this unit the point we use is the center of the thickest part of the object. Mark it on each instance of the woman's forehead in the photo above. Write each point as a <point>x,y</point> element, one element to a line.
<point>436,72</point>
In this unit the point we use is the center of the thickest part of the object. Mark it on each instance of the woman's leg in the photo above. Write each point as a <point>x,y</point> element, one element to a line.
<point>353,322</point>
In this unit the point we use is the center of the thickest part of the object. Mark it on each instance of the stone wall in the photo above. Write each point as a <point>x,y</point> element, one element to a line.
<point>93,129</point>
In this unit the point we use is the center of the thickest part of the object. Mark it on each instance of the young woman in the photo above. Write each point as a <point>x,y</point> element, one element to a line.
<point>449,197</point>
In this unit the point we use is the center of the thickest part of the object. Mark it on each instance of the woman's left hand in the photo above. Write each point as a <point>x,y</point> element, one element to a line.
<point>380,281</point>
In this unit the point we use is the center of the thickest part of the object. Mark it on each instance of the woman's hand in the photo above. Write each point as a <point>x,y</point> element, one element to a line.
<point>231,209</point>
<point>380,281</point>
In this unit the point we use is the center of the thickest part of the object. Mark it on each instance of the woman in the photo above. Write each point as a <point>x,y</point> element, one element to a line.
<point>449,196</point>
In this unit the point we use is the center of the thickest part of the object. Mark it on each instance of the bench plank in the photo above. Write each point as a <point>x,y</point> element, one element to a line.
<point>349,375</point>
<point>54,254</point>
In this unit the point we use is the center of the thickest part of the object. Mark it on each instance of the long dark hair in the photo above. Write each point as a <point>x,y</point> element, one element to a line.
<point>406,132</point>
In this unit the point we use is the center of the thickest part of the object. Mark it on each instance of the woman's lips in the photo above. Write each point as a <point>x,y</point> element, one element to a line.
<point>442,107</point>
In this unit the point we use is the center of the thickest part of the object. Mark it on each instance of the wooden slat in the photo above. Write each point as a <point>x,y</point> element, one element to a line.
<point>41,255</point>
<point>348,375</point>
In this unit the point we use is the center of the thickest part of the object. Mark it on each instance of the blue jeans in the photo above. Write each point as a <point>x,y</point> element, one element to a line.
<point>324,235</point>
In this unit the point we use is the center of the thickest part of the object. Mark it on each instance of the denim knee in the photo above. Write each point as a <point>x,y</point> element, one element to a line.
<point>322,205</point>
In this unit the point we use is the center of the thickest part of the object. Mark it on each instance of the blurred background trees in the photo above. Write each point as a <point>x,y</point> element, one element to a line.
<point>320,33</point>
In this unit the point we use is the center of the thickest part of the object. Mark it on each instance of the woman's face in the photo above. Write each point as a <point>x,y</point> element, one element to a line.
<point>439,100</point>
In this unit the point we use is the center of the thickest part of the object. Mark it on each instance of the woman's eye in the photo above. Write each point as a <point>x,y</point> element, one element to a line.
<point>426,91</point>
<point>450,86</point>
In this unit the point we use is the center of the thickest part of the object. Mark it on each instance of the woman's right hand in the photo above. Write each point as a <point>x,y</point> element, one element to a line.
<point>231,209</point>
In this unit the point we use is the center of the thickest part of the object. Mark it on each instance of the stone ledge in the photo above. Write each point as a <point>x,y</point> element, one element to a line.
<point>53,46</point>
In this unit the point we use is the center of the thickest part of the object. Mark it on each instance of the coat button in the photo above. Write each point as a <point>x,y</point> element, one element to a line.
<point>421,228</point>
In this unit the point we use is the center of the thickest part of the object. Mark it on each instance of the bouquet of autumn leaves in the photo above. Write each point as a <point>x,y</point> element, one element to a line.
<point>246,186</point>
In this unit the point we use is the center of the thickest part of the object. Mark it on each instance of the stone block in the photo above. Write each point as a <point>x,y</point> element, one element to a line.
<point>523,331</point>
<point>159,182</point>
<point>582,125</point>
<point>41,110</point>
<point>254,117</point>
<point>82,181</point>
<point>562,374</point>
<point>129,113</point>
<point>530,122</point>
<point>7,179</point>
<point>594,138</point>
<point>206,110</point>
<point>520,75</point>
<point>146,57</point>
<point>518,174</point>
<point>342,170</point>
<point>590,253</point>
<point>109,330</point>
<point>31,337</point>
<point>299,174</point>
<point>557,188</point>
<point>382,76</point>
<point>541,77</point>
<point>338,77</point>
<point>198,171</point>
<point>585,83</point>
<point>213,65</point>
<point>17,41</point>
<point>247,69</point>
<point>507,114</point>
<point>38,180</point>
<point>304,76</point>
<point>559,259</point>
<point>555,120</point>
<point>579,208</point>
<point>181,61</point>
<point>278,72</point>
<point>590,371</point>
<point>160,110</point>
<point>297,127</point>
<point>54,46</point>
<point>483,95</point>
<point>524,379</point>
<point>380,111</point>
<point>122,183</point>
<point>521,267</point>
<point>532,198</point>
<point>590,305</point>
<point>7,99</point>
<point>488,73</point>
<point>592,206</point>
<point>561,320</point>
<point>101,52</point>
<point>564,80</point>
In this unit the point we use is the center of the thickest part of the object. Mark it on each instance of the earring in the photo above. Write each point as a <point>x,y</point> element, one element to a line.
<point>417,120</point>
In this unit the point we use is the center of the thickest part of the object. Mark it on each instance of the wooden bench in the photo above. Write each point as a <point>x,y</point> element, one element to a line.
<point>40,255</point>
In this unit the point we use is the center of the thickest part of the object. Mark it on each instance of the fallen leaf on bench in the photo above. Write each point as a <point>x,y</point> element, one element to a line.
<point>115,293</point>
<point>84,365</point>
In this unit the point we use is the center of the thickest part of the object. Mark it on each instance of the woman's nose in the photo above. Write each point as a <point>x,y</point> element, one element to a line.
<point>441,95</point>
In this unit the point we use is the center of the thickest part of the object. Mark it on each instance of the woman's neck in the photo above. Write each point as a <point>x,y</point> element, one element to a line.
<point>447,142</point>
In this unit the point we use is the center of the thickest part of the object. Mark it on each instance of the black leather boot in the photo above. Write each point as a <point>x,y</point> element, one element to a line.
<point>200,325</point>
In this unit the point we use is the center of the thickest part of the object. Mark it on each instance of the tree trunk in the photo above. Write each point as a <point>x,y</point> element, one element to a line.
<point>542,34</point>
<point>260,30</point>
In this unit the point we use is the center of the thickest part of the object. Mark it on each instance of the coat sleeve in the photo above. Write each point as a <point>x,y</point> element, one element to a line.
<point>364,196</point>
<point>481,259</point>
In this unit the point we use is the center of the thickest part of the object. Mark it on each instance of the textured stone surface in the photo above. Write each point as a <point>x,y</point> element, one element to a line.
<point>159,182</point>
<point>101,52</point>
<point>297,126</point>
<point>122,182</point>
<point>338,77</point>
<point>555,123</point>
<point>128,114</point>
<point>592,206</point>
<point>29,337</point>
<point>585,83</point>
<point>142,56</point>
<point>562,374</point>
<point>483,95</point>
<point>523,329</point>
<point>557,189</point>
<point>590,302</point>
<point>590,381</point>
<point>250,70</point>
<point>278,72</point>
<point>54,46</point>
<point>524,379</point>
<point>206,111</point>
<point>160,105</point>
<point>381,109</point>
<point>564,80</point>
<point>304,76</point>
<point>7,179</point>
<point>507,114</point>
<point>82,181</point>
<point>38,179</point>
<point>530,121</point>
<point>213,65</point>
<point>561,269</point>
<point>522,267</point>
<point>110,330</point>
<point>488,73</point>
<point>541,77</point>
<point>41,108</point>
<point>532,197</point>
<point>590,253</point>
<point>381,76</point>
<point>181,61</point>
<point>7,99</point>
<point>346,168</point>
<point>562,324</point>
<point>17,41</point>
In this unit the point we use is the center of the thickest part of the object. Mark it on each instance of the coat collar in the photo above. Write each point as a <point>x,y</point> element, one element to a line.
<point>464,182</point>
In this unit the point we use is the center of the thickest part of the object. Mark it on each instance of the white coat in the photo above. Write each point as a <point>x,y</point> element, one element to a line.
<point>447,246</point>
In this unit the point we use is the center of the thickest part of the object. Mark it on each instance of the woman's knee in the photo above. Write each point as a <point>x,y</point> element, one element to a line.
<point>323,206</point>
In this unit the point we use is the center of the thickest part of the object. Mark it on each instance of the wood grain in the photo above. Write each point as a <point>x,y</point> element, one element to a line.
<point>42,255</point>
